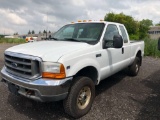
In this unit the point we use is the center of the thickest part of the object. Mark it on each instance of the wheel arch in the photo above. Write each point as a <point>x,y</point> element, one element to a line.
<point>139,55</point>
<point>88,71</point>
<point>86,67</point>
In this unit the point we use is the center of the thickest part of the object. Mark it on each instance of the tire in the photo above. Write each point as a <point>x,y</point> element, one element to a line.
<point>134,68</point>
<point>83,89</point>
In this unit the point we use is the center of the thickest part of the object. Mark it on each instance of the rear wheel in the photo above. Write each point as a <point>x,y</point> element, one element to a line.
<point>134,68</point>
<point>80,97</point>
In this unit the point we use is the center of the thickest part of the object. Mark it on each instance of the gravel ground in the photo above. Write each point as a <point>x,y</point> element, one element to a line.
<point>119,97</point>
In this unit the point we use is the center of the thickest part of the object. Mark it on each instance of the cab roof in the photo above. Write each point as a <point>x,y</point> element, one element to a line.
<point>95,21</point>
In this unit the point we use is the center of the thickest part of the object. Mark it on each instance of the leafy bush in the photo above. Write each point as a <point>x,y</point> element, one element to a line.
<point>134,37</point>
<point>151,48</point>
<point>12,40</point>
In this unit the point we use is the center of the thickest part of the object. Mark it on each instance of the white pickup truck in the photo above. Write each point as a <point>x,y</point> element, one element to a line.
<point>68,66</point>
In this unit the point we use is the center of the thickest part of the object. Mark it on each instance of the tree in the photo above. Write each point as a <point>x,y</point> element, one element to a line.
<point>29,32</point>
<point>1,36</point>
<point>44,31</point>
<point>33,32</point>
<point>144,27</point>
<point>128,21</point>
<point>136,29</point>
<point>146,22</point>
<point>158,24</point>
<point>15,33</point>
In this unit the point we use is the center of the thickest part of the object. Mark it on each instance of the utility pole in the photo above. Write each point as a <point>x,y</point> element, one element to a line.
<point>47,25</point>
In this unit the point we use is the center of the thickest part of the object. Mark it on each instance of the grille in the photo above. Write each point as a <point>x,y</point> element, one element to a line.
<point>22,67</point>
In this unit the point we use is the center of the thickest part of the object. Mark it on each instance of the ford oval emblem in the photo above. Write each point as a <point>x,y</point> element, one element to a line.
<point>14,65</point>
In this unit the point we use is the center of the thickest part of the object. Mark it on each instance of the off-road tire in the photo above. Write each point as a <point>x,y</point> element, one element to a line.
<point>134,68</point>
<point>70,103</point>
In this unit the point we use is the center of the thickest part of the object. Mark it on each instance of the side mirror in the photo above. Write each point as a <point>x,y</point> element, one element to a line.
<point>117,41</point>
<point>159,44</point>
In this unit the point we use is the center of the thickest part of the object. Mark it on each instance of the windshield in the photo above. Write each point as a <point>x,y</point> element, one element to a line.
<point>80,32</point>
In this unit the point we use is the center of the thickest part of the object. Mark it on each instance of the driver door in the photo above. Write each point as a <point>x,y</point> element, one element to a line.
<point>112,57</point>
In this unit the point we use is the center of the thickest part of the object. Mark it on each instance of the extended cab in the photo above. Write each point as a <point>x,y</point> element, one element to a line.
<point>68,66</point>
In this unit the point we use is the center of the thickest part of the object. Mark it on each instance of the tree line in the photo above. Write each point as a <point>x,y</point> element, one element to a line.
<point>33,32</point>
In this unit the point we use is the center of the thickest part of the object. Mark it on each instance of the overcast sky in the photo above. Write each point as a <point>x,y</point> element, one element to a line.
<point>24,15</point>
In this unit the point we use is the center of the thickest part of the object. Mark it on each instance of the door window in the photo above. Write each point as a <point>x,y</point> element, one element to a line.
<point>124,34</point>
<point>109,34</point>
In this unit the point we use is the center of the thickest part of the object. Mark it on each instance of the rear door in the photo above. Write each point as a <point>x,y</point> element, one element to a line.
<point>126,44</point>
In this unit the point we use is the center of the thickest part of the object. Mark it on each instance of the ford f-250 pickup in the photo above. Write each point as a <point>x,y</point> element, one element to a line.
<point>68,66</point>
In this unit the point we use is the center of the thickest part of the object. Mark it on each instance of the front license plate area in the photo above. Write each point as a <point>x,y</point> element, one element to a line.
<point>13,89</point>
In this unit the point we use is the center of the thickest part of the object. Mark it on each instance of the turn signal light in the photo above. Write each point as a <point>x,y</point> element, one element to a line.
<point>53,75</point>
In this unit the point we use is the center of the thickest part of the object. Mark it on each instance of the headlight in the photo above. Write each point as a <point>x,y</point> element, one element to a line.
<point>53,70</point>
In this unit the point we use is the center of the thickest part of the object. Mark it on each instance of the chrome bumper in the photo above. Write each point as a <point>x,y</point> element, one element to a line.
<point>39,89</point>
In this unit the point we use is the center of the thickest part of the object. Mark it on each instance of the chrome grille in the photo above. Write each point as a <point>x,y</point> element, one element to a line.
<point>22,66</point>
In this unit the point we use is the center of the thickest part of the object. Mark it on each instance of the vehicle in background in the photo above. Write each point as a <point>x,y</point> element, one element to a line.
<point>31,39</point>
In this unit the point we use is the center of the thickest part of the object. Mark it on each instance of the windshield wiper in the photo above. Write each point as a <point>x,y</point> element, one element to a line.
<point>72,39</point>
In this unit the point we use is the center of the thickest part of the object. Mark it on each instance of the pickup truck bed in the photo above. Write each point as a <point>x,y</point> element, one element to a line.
<point>135,41</point>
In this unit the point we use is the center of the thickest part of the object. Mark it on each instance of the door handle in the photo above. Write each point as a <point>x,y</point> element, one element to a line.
<point>122,50</point>
<point>98,55</point>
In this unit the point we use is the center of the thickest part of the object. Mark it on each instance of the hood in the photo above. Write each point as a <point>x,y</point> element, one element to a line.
<point>48,50</point>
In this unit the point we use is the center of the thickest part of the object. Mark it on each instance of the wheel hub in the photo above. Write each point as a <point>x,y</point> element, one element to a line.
<point>84,97</point>
<point>137,68</point>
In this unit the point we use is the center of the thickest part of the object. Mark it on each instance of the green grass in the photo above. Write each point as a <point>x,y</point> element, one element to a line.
<point>12,40</point>
<point>151,48</point>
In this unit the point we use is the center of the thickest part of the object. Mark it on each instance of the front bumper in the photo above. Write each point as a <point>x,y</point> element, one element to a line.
<point>40,89</point>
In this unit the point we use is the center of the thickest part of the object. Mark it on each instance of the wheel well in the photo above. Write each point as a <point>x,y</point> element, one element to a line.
<point>90,72</point>
<point>139,55</point>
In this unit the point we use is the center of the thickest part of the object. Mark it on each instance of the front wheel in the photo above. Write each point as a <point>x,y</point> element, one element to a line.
<point>80,97</point>
<point>134,68</point>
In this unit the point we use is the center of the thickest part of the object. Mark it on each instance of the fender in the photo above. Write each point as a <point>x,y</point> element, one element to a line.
<point>137,50</point>
<point>135,53</point>
<point>82,64</point>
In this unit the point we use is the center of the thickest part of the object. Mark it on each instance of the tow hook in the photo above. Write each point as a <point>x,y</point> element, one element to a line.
<point>30,92</point>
